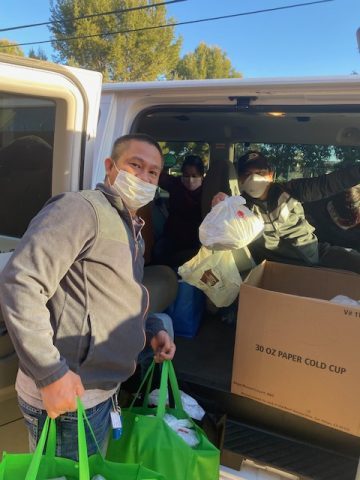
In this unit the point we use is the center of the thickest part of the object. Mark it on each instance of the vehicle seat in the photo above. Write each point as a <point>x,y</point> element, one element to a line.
<point>25,182</point>
<point>162,285</point>
<point>216,180</point>
<point>160,280</point>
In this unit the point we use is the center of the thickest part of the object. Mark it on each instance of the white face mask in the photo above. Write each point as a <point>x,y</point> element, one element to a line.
<point>255,185</point>
<point>191,183</point>
<point>133,191</point>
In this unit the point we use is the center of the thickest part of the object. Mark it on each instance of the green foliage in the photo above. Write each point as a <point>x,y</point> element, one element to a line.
<point>314,159</point>
<point>347,155</point>
<point>142,55</point>
<point>291,160</point>
<point>11,48</point>
<point>181,149</point>
<point>283,158</point>
<point>205,62</point>
<point>40,54</point>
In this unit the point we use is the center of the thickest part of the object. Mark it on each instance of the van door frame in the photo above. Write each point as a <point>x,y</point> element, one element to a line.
<point>76,94</point>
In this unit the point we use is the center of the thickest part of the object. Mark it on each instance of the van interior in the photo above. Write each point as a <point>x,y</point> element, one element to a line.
<point>241,427</point>
<point>204,362</point>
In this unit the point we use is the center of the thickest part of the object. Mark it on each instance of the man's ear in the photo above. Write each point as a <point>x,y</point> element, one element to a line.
<point>108,165</point>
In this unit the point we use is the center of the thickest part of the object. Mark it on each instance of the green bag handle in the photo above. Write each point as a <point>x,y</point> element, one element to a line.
<point>37,456</point>
<point>168,376</point>
<point>51,440</point>
<point>147,377</point>
<point>48,436</point>
<point>84,472</point>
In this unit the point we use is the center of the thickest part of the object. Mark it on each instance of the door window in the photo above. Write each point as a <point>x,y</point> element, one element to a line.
<point>26,159</point>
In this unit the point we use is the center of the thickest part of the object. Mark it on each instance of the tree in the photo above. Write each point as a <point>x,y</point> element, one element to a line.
<point>347,155</point>
<point>292,160</point>
<point>314,159</point>
<point>181,149</point>
<point>40,54</point>
<point>142,55</point>
<point>12,48</point>
<point>205,62</point>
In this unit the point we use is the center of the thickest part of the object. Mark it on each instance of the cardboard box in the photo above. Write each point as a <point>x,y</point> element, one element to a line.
<point>294,349</point>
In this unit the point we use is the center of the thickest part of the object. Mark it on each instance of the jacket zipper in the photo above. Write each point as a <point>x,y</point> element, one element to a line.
<point>141,285</point>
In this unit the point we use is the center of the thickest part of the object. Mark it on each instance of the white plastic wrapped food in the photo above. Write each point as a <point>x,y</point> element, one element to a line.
<point>230,225</point>
<point>190,405</point>
<point>183,428</point>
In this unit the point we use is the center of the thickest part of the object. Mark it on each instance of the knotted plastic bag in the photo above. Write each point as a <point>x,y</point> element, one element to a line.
<point>230,225</point>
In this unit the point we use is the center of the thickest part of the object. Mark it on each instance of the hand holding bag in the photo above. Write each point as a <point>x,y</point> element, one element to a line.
<point>148,438</point>
<point>230,225</point>
<point>40,466</point>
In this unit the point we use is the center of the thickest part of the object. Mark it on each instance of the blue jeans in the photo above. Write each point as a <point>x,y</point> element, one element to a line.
<point>66,428</point>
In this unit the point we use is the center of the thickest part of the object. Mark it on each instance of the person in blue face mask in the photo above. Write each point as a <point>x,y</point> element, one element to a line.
<point>73,300</point>
<point>288,236</point>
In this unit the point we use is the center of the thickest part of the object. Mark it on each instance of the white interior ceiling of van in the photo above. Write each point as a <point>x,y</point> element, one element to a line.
<point>299,127</point>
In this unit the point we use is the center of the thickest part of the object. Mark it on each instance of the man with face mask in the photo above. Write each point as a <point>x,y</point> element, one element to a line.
<point>288,236</point>
<point>73,300</point>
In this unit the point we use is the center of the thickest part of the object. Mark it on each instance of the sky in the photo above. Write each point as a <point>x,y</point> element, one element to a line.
<point>312,40</point>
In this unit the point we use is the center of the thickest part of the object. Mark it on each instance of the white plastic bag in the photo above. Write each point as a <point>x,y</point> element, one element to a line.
<point>345,300</point>
<point>183,428</point>
<point>190,405</point>
<point>215,273</point>
<point>230,225</point>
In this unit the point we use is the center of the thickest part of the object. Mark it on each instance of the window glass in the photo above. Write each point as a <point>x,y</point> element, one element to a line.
<point>26,158</point>
<point>181,149</point>
<point>296,161</point>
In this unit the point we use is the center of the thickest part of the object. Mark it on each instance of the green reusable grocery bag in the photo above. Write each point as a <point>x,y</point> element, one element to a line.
<point>147,437</point>
<point>45,465</point>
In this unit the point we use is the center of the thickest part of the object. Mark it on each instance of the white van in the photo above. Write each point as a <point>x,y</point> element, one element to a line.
<point>77,120</point>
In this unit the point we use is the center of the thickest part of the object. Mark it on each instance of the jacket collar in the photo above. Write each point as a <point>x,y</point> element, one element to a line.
<point>135,223</point>
<point>114,198</point>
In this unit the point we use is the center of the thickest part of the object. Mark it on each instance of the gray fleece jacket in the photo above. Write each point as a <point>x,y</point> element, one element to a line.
<point>71,294</point>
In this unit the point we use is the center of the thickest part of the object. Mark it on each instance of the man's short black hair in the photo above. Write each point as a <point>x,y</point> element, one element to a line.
<point>252,160</point>
<point>140,137</point>
<point>193,161</point>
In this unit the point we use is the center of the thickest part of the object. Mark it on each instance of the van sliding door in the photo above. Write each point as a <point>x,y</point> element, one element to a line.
<point>47,128</point>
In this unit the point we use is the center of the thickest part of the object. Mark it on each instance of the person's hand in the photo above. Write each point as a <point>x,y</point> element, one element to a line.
<point>219,197</point>
<point>163,347</point>
<point>60,396</point>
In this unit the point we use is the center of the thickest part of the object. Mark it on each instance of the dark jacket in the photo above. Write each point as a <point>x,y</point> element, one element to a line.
<point>288,236</point>
<point>327,230</point>
<point>182,224</point>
